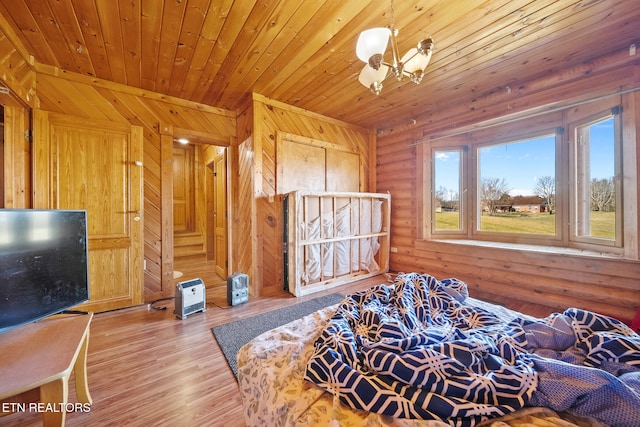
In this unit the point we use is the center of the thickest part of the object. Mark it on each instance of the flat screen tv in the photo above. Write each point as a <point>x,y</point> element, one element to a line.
<point>43,264</point>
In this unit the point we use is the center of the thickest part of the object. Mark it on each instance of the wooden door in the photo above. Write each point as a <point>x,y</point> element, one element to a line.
<point>220,213</point>
<point>97,167</point>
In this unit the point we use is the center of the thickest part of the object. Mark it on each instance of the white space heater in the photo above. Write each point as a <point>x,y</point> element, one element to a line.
<point>190,298</point>
<point>237,288</point>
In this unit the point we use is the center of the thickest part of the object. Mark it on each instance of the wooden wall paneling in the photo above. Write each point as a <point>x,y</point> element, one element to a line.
<point>260,189</point>
<point>153,211</point>
<point>16,157</point>
<point>80,100</point>
<point>602,284</point>
<point>270,119</point>
<point>148,108</point>
<point>242,176</point>
<point>590,283</point>
<point>166,214</point>
<point>540,96</point>
<point>128,105</point>
<point>41,169</point>
<point>245,251</point>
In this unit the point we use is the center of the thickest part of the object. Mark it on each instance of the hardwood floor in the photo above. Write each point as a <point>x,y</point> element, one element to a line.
<point>148,368</point>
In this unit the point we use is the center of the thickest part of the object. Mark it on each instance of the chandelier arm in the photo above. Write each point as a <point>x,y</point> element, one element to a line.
<point>394,46</point>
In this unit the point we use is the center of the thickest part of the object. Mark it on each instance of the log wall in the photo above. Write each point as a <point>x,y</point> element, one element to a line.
<point>602,284</point>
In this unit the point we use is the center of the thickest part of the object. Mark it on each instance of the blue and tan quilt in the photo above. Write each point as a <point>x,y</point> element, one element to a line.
<point>415,349</point>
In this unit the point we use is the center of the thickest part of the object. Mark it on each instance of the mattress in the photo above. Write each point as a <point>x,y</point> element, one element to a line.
<point>272,368</point>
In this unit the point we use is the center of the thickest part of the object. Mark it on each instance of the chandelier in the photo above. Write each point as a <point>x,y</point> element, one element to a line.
<point>371,47</point>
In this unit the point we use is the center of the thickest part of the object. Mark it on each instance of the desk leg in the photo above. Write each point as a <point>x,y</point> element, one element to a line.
<point>55,393</point>
<point>80,371</point>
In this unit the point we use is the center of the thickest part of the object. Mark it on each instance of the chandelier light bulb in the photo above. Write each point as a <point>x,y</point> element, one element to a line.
<point>372,42</point>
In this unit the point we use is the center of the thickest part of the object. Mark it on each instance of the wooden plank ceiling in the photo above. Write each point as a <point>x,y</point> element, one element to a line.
<point>302,52</point>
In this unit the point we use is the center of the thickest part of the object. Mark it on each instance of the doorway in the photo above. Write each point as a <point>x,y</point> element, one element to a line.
<point>217,213</point>
<point>200,212</point>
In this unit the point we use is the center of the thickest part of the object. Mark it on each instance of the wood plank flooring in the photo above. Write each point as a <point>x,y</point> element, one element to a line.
<point>148,368</point>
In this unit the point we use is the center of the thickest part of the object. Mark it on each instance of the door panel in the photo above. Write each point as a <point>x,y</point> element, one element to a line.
<point>96,166</point>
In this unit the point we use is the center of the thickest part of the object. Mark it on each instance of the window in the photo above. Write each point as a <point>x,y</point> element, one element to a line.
<point>554,180</point>
<point>597,184</point>
<point>516,186</point>
<point>446,195</point>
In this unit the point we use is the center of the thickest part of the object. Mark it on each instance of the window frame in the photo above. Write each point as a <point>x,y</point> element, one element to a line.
<point>561,123</point>
<point>462,203</point>
<point>529,238</point>
<point>575,159</point>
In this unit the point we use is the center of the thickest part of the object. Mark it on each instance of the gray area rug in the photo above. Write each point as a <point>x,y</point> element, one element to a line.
<point>232,336</point>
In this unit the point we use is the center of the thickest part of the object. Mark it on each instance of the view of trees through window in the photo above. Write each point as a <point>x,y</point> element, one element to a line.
<point>517,185</point>
<point>596,185</point>
<point>447,190</point>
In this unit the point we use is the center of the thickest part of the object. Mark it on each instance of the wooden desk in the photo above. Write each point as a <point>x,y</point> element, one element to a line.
<point>43,355</point>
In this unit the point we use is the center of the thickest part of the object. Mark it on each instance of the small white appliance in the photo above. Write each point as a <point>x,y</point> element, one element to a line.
<point>237,288</point>
<point>190,298</point>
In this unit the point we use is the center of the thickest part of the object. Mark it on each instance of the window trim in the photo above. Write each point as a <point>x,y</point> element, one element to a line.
<point>574,211</point>
<point>462,204</point>
<point>468,142</point>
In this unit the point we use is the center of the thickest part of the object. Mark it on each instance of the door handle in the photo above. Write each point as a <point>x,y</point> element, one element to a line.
<point>137,213</point>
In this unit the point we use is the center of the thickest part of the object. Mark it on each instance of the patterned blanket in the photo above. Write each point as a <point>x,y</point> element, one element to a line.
<point>416,350</point>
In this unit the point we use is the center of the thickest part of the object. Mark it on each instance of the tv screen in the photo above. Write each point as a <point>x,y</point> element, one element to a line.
<point>43,264</point>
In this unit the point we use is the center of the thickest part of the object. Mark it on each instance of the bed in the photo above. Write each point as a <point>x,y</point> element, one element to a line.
<point>422,352</point>
<point>333,238</point>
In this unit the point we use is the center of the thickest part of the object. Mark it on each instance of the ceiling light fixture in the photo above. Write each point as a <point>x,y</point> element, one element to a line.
<point>371,47</point>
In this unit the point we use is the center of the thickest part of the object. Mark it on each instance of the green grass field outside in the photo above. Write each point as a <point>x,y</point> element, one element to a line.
<point>602,223</point>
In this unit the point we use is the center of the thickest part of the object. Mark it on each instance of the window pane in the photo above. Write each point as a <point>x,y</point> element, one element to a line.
<point>516,186</point>
<point>596,180</point>
<point>446,194</point>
